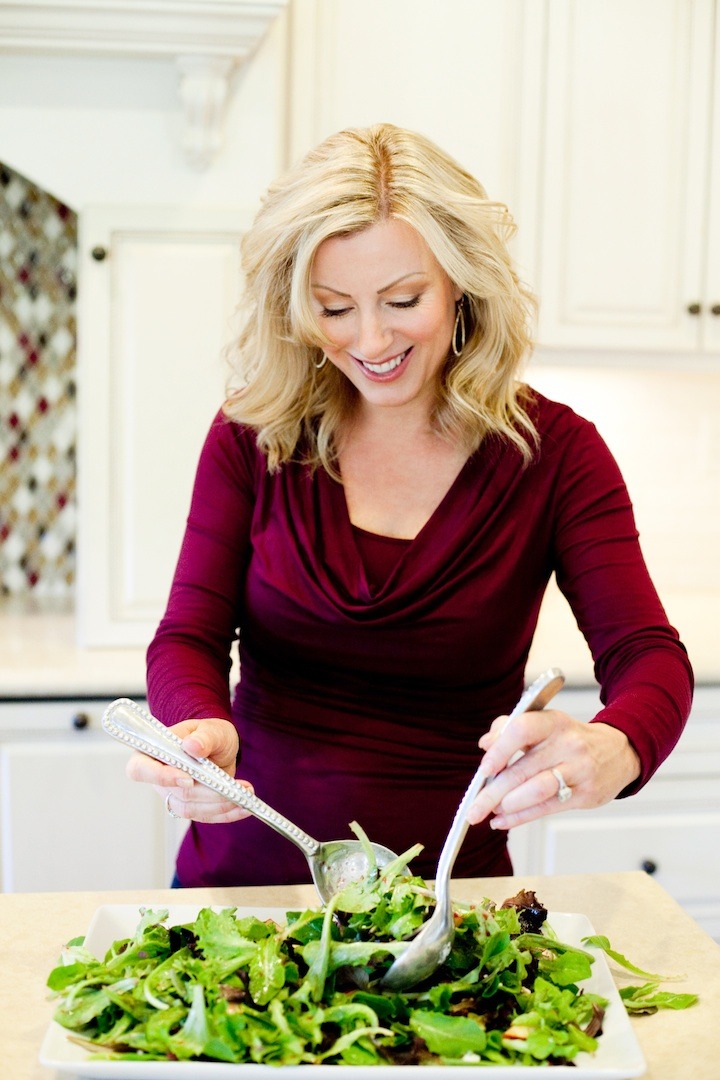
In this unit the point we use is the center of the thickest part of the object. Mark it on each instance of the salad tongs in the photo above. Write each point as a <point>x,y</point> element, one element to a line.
<point>432,944</point>
<point>333,864</point>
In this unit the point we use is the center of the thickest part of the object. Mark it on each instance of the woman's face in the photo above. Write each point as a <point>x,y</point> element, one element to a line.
<point>389,310</point>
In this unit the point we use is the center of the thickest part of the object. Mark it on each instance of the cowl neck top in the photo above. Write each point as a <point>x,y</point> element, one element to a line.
<point>370,667</point>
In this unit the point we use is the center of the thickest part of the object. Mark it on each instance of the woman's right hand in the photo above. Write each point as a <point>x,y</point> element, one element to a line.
<point>214,739</point>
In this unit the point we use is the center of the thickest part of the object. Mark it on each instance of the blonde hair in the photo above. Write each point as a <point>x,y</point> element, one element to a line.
<point>348,183</point>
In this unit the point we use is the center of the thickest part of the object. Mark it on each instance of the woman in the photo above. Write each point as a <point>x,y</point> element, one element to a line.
<point>377,511</point>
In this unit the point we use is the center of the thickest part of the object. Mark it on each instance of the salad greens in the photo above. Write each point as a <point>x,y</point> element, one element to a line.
<point>647,998</point>
<point>238,989</point>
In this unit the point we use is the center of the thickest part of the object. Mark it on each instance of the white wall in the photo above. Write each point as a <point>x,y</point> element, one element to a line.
<point>662,426</point>
<point>108,129</point>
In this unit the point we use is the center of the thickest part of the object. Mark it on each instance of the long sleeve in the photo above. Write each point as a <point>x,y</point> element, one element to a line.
<point>188,661</point>
<point>642,668</point>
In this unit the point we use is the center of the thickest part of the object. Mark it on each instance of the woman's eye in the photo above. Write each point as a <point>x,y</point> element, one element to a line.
<point>406,303</point>
<point>333,313</point>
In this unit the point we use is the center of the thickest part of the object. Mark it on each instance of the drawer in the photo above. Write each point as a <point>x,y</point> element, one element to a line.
<point>28,719</point>
<point>679,848</point>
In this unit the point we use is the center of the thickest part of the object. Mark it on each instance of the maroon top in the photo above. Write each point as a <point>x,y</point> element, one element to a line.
<point>370,666</point>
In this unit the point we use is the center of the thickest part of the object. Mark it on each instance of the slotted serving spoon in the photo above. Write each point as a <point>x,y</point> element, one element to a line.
<point>432,944</point>
<point>333,864</point>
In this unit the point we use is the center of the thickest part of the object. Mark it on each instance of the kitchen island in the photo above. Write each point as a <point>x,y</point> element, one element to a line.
<point>631,909</point>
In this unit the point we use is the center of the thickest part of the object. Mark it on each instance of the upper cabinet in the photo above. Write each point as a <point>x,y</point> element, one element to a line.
<point>464,73</point>
<point>629,193</point>
<point>598,123</point>
<point>159,288</point>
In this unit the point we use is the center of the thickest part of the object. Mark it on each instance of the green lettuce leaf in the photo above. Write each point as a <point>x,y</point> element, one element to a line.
<point>449,1036</point>
<point>598,941</point>
<point>648,999</point>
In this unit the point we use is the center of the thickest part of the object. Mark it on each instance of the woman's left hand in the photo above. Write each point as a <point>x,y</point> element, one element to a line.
<point>595,761</point>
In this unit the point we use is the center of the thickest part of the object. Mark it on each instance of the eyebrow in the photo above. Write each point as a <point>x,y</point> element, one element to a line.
<point>385,288</point>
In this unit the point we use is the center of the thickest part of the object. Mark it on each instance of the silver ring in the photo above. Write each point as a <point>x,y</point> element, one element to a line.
<point>564,792</point>
<point>169,809</point>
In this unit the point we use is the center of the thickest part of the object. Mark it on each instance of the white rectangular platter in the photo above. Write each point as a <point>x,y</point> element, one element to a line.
<point>618,1057</point>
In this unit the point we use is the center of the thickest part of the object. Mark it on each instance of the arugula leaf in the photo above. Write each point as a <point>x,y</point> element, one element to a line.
<point>320,963</point>
<point>601,942</point>
<point>348,1042</point>
<point>567,964</point>
<point>368,849</point>
<point>648,999</point>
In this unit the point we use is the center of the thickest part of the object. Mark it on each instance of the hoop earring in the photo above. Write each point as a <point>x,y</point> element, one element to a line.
<point>458,335</point>
<point>323,362</point>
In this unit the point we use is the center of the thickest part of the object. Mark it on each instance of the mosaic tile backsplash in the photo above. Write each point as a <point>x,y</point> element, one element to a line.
<point>38,266</point>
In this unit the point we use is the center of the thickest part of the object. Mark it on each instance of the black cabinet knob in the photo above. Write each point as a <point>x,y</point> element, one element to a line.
<point>694,309</point>
<point>715,309</point>
<point>649,866</point>
<point>80,721</point>
<point>99,253</point>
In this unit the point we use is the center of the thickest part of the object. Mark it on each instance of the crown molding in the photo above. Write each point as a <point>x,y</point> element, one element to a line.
<point>207,39</point>
<point>227,28</point>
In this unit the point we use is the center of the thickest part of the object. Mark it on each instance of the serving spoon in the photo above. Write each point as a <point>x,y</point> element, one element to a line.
<point>432,944</point>
<point>333,864</point>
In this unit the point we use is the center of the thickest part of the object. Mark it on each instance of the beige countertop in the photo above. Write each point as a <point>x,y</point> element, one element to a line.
<point>40,657</point>
<point>637,915</point>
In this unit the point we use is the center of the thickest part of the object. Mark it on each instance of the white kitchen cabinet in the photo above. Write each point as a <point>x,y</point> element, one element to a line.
<point>69,817</point>
<point>159,288</point>
<point>486,114</point>
<point>670,829</point>
<point>629,193</point>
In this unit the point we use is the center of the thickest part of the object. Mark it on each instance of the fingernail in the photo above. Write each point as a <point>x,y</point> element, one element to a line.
<point>185,782</point>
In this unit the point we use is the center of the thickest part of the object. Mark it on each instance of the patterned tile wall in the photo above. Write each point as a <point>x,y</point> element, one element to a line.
<point>38,261</point>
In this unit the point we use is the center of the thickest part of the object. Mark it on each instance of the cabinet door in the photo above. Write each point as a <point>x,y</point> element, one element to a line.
<point>485,114</point>
<point>71,820</point>
<point>624,174</point>
<point>158,291</point>
<point>711,306</point>
<point>675,840</point>
<point>677,843</point>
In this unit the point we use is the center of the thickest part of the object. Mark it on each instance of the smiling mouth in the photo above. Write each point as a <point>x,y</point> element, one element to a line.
<point>386,367</point>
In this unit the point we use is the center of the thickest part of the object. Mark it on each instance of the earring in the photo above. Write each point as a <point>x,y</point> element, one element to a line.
<point>458,335</point>
<point>323,362</point>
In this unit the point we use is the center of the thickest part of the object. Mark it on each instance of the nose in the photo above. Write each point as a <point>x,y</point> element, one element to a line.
<point>374,336</point>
